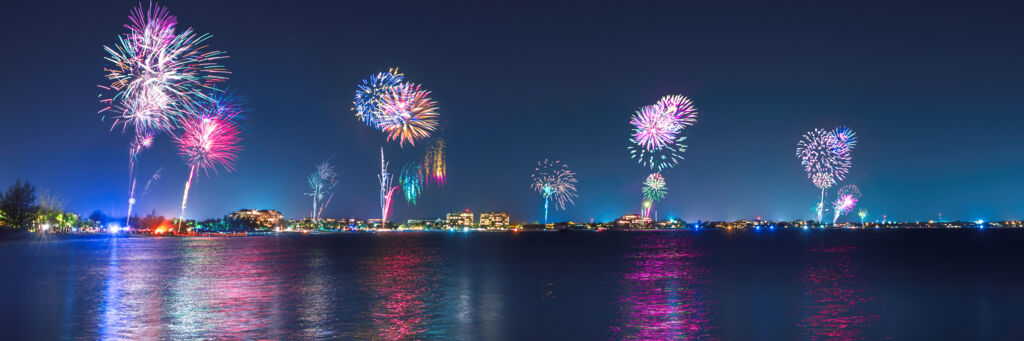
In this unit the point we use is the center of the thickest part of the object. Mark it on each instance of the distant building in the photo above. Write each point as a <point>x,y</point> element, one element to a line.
<point>460,219</point>
<point>255,219</point>
<point>496,220</point>
<point>632,220</point>
<point>425,223</point>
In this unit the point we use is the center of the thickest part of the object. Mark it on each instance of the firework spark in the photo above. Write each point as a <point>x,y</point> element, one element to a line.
<point>553,179</point>
<point>847,199</point>
<point>370,95</point>
<point>207,143</point>
<point>321,182</point>
<point>434,167</point>
<point>412,181</point>
<point>408,114</point>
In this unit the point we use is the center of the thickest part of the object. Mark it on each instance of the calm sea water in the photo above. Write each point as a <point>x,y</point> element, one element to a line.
<point>708,284</point>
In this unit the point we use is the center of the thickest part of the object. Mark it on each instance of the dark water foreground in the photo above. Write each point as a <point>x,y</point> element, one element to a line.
<point>731,285</point>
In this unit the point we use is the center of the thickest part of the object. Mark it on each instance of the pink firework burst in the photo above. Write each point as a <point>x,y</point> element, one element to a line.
<point>209,143</point>
<point>654,128</point>
<point>679,107</point>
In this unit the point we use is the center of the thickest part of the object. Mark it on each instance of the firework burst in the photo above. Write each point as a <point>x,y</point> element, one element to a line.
<point>654,187</point>
<point>370,95</point>
<point>657,141</point>
<point>155,74</point>
<point>679,107</point>
<point>825,167</point>
<point>408,114</point>
<point>823,180</point>
<point>654,190</point>
<point>847,199</point>
<point>655,128</point>
<point>434,167</point>
<point>207,143</point>
<point>412,181</point>
<point>321,183</point>
<point>816,152</point>
<point>554,180</point>
<point>846,140</point>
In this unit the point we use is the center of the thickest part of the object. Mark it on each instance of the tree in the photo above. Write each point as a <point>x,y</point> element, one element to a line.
<point>98,217</point>
<point>50,212</point>
<point>19,205</point>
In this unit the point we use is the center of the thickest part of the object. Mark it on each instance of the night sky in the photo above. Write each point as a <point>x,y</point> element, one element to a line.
<point>933,90</point>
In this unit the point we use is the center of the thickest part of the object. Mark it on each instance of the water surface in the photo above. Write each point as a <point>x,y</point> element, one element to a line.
<point>706,284</point>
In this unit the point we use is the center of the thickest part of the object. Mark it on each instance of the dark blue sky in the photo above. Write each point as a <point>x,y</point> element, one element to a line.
<point>933,90</point>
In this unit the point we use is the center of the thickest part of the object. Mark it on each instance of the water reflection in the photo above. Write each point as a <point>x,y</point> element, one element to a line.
<point>130,305</point>
<point>226,290</point>
<point>403,284</point>
<point>320,292</point>
<point>837,303</point>
<point>664,291</point>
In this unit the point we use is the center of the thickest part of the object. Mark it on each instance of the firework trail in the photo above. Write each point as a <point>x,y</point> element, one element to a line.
<point>142,140</point>
<point>863,214</point>
<point>412,181</point>
<point>657,140</point>
<point>368,98</point>
<point>207,143</point>
<point>434,167</point>
<point>408,114</point>
<point>553,179</point>
<point>152,179</point>
<point>386,190</point>
<point>847,199</point>
<point>654,190</point>
<point>321,182</point>
<point>823,165</point>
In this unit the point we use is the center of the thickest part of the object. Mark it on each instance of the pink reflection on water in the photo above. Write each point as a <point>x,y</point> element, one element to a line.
<point>225,291</point>
<point>403,280</point>
<point>838,296</point>
<point>664,288</point>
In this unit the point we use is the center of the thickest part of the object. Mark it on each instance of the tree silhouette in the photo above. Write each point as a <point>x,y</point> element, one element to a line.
<point>19,205</point>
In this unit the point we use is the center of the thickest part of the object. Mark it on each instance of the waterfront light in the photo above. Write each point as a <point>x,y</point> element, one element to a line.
<point>113,228</point>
